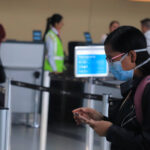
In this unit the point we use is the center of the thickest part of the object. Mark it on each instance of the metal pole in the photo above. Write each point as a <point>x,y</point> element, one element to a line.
<point>3,113</point>
<point>36,104</point>
<point>105,145</point>
<point>36,110</point>
<point>8,121</point>
<point>89,130</point>
<point>44,113</point>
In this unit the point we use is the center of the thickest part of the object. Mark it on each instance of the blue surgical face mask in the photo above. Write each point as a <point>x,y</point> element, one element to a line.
<point>120,74</point>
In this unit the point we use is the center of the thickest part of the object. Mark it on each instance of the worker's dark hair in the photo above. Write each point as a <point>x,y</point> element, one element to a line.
<point>2,33</point>
<point>127,38</point>
<point>146,22</point>
<point>51,21</point>
<point>113,22</point>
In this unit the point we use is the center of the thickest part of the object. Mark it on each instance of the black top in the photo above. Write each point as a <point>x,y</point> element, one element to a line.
<point>2,73</point>
<point>127,133</point>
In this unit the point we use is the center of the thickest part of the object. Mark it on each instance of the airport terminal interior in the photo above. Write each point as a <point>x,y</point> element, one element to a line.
<point>74,75</point>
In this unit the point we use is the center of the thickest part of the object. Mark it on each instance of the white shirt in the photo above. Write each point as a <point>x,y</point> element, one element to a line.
<point>147,35</point>
<point>50,48</point>
<point>103,38</point>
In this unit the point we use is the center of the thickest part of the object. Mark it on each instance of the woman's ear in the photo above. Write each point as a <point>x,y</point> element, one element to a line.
<point>132,54</point>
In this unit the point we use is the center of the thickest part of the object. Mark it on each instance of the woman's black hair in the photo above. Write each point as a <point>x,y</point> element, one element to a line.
<point>127,38</point>
<point>51,21</point>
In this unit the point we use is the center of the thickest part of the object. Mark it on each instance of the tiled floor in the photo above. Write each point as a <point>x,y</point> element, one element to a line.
<point>60,137</point>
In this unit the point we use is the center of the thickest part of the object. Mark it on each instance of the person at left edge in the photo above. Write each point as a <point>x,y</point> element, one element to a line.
<point>54,61</point>
<point>2,71</point>
<point>2,39</point>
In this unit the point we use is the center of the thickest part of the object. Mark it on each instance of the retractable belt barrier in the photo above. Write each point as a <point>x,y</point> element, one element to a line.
<point>105,98</point>
<point>5,113</point>
<point>76,94</point>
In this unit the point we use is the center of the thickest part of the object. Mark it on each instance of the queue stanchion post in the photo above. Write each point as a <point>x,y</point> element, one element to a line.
<point>105,145</point>
<point>89,130</point>
<point>8,116</point>
<point>3,116</point>
<point>36,105</point>
<point>36,110</point>
<point>44,113</point>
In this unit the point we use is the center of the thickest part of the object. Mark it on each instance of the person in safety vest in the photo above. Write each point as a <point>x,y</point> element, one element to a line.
<point>54,61</point>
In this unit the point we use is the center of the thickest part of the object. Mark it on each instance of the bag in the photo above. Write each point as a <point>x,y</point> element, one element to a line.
<point>138,98</point>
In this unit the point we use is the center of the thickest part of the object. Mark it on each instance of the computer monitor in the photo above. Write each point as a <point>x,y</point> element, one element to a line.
<point>90,61</point>
<point>88,37</point>
<point>37,35</point>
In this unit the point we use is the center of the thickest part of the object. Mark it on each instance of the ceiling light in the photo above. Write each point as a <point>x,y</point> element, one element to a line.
<point>140,0</point>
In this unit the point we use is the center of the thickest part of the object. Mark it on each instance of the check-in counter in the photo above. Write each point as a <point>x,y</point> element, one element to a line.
<point>23,61</point>
<point>62,103</point>
<point>61,106</point>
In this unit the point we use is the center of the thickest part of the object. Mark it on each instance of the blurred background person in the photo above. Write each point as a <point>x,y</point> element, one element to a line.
<point>145,27</point>
<point>112,26</point>
<point>2,39</point>
<point>2,34</point>
<point>54,61</point>
<point>2,72</point>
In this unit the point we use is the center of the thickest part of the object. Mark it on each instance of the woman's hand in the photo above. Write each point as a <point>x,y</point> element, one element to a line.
<point>88,113</point>
<point>100,127</point>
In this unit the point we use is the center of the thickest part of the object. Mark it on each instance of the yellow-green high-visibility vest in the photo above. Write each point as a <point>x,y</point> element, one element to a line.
<point>58,53</point>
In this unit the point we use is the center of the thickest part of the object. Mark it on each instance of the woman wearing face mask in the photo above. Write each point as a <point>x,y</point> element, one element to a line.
<point>126,48</point>
<point>54,61</point>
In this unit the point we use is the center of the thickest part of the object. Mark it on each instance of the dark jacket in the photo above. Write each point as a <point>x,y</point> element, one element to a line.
<point>2,73</point>
<point>127,133</point>
<point>2,80</point>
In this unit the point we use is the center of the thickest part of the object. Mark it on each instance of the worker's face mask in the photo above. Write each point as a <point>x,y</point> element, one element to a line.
<point>117,70</point>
